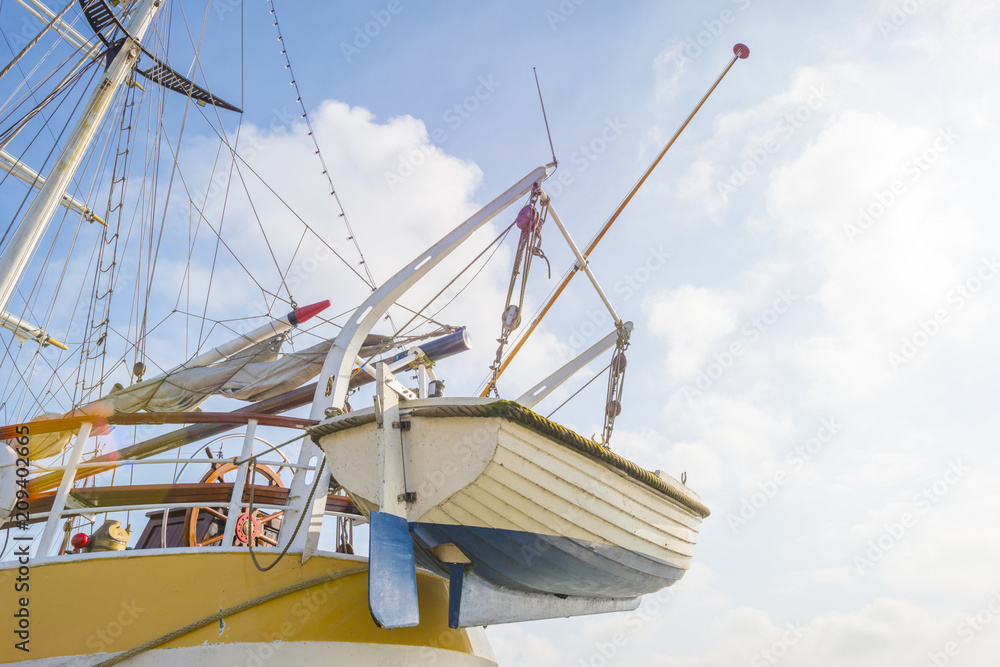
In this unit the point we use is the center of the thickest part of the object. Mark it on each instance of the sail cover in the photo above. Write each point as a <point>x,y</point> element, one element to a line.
<point>179,391</point>
<point>260,380</point>
<point>255,374</point>
<point>187,388</point>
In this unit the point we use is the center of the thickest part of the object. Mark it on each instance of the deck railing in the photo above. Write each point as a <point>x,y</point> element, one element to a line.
<point>74,467</point>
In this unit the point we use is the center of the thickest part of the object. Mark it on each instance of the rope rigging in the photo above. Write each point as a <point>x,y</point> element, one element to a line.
<point>34,40</point>
<point>7,135</point>
<point>616,382</point>
<point>124,258</point>
<point>106,273</point>
<point>419,313</point>
<point>69,80</point>
<point>319,154</point>
<point>529,220</point>
<point>42,397</point>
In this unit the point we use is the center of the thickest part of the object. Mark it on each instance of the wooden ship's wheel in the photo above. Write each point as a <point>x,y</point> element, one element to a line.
<point>205,526</point>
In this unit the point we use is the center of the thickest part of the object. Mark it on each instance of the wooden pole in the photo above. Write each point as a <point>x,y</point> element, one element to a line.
<point>740,51</point>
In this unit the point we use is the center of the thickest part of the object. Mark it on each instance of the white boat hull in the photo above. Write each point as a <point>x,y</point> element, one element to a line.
<point>529,507</point>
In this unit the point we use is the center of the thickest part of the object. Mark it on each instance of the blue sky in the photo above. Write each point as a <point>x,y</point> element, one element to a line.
<point>816,353</point>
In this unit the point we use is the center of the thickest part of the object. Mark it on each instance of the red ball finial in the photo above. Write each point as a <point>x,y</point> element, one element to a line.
<point>80,540</point>
<point>742,50</point>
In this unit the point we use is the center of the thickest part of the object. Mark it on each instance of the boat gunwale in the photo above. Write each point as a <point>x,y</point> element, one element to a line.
<point>517,413</point>
<point>173,551</point>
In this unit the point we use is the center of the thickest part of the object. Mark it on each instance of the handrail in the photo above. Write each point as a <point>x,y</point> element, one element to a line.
<point>74,422</point>
<point>146,462</point>
<point>173,496</point>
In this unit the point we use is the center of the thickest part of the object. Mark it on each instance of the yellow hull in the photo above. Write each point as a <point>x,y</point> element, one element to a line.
<point>87,608</point>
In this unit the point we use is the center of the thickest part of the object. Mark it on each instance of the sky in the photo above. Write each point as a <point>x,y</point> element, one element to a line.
<point>812,272</point>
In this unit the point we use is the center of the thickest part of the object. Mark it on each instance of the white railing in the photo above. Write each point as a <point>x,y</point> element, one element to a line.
<point>46,544</point>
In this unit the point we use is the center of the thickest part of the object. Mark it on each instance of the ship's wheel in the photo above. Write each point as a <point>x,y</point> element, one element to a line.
<point>205,526</point>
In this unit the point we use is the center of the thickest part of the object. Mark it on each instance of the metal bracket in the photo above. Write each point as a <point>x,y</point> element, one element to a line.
<point>408,497</point>
<point>392,383</point>
<point>402,425</point>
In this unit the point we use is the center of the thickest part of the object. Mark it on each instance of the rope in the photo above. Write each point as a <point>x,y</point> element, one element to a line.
<point>444,289</point>
<point>270,449</point>
<point>249,604</point>
<point>9,133</point>
<point>312,135</point>
<point>577,392</point>
<point>529,245</point>
<point>37,37</point>
<point>253,471</point>
<point>616,381</point>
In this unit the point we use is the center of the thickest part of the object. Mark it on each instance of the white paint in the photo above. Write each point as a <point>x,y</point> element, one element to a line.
<point>328,654</point>
<point>490,473</point>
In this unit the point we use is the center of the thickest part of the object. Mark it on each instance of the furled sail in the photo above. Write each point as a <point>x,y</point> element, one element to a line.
<point>255,374</point>
<point>181,390</point>
<point>187,388</point>
<point>261,380</point>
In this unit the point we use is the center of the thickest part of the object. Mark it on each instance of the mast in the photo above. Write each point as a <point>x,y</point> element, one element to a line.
<point>29,233</point>
<point>740,52</point>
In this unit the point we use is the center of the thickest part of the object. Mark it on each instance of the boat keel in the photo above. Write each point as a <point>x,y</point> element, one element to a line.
<point>472,601</point>
<point>392,575</point>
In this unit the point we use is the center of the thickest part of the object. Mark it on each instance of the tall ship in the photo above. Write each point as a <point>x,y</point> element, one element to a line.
<point>188,451</point>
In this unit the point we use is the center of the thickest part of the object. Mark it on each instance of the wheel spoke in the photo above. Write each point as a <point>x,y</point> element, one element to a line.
<point>269,517</point>
<point>212,540</point>
<point>264,538</point>
<point>215,513</point>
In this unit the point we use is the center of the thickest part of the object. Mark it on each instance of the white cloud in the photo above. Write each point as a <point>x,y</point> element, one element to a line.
<point>401,193</point>
<point>692,320</point>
